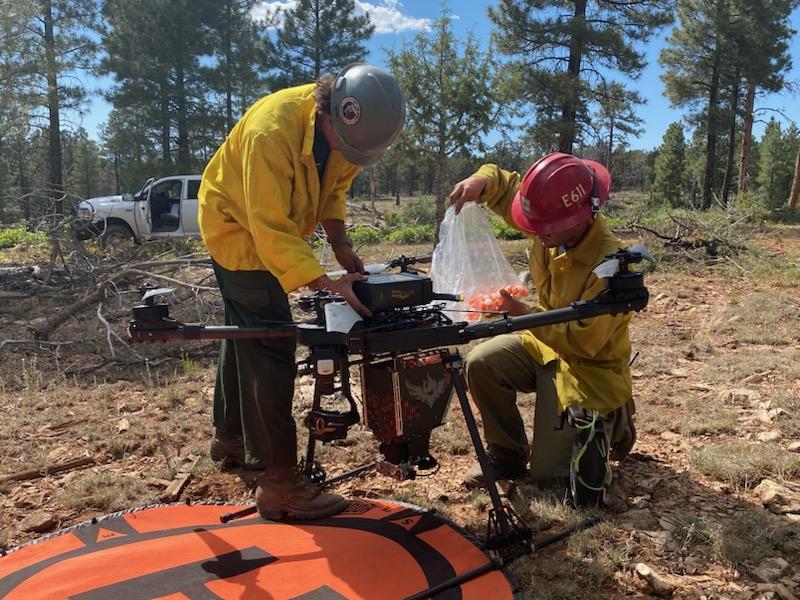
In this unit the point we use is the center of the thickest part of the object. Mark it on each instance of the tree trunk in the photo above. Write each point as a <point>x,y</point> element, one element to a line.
<point>794,196</point>
<point>228,76</point>
<point>166,156</point>
<point>441,177</point>
<point>182,121</point>
<point>610,148</point>
<point>396,187</point>
<point>317,42</point>
<point>55,175</point>
<point>711,134</point>
<point>726,181</point>
<point>23,181</point>
<point>372,194</point>
<point>116,172</point>
<point>747,138</point>
<point>86,169</point>
<point>569,110</point>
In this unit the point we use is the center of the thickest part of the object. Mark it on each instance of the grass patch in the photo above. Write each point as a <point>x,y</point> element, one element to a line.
<point>753,535</point>
<point>188,364</point>
<point>105,491</point>
<point>766,318</point>
<point>410,496</point>
<point>789,425</point>
<point>451,439</point>
<point>706,416</point>
<point>602,554</point>
<point>593,557</point>
<point>745,538</point>
<point>732,366</point>
<point>651,416</point>
<point>745,464</point>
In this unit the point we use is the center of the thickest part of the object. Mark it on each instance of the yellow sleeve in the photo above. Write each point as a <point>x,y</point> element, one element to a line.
<point>335,206</point>
<point>583,338</point>
<point>501,187</point>
<point>268,174</point>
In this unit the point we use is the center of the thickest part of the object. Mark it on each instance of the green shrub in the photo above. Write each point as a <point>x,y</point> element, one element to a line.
<point>392,219</point>
<point>365,235</point>
<point>412,234</point>
<point>17,235</point>
<point>419,211</point>
<point>504,231</point>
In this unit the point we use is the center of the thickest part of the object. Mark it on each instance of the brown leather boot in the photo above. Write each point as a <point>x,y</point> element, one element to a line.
<point>505,464</point>
<point>623,432</point>
<point>230,451</point>
<point>284,493</point>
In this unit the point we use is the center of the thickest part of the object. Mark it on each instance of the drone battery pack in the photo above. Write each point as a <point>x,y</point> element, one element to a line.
<point>387,291</point>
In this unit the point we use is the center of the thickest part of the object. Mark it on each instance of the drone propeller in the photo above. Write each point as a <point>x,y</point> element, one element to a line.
<point>609,267</point>
<point>156,292</point>
<point>640,249</point>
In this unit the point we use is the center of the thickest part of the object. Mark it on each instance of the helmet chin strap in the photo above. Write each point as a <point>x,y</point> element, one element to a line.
<point>594,199</point>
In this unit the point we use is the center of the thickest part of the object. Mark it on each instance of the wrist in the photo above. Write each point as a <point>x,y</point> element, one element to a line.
<point>340,242</point>
<point>320,283</point>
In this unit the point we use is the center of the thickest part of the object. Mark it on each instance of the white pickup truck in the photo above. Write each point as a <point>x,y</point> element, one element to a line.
<point>163,208</point>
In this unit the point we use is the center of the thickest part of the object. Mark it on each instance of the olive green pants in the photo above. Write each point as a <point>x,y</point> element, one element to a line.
<point>255,378</point>
<point>496,370</point>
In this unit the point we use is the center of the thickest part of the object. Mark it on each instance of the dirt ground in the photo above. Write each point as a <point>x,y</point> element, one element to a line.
<point>709,499</point>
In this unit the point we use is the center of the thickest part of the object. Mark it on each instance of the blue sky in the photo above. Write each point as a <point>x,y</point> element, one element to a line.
<point>398,21</point>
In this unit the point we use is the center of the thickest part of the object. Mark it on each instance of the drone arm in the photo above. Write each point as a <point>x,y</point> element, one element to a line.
<point>576,311</point>
<point>583,337</point>
<point>197,331</point>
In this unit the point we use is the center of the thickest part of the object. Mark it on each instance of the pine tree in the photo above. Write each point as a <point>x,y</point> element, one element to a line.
<point>128,148</point>
<point>670,178</point>
<point>235,80</point>
<point>562,51</point>
<point>452,96</point>
<point>763,40</point>
<point>153,50</point>
<point>314,38</point>
<point>48,45</point>
<point>777,151</point>
<point>695,60</point>
<point>616,120</point>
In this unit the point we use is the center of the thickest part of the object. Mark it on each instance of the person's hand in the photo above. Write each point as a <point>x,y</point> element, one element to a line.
<point>511,305</point>
<point>467,190</point>
<point>347,257</point>
<point>343,286</point>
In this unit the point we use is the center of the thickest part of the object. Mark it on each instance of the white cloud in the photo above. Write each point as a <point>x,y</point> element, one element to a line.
<point>387,16</point>
<point>266,10</point>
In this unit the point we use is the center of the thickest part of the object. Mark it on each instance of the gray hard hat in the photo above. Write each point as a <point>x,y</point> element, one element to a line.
<point>367,111</point>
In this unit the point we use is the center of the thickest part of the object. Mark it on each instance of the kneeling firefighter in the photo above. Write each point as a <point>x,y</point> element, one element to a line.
<point>285,167</point>
<point>578,370</point>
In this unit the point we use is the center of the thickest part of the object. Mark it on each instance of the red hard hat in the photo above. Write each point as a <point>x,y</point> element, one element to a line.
<point>557,193</point>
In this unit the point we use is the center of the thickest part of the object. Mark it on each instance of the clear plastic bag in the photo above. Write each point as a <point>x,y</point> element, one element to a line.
<point>468,261</point>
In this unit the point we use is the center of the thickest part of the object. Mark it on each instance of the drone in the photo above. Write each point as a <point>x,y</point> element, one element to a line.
<point>409,364</point>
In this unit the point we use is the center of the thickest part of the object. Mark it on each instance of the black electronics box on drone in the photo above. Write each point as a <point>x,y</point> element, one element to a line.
<point>387,291</point>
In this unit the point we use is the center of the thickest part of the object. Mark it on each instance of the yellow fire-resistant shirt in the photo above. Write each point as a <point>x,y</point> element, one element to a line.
<point>261,193</point>
<point>592,354</point>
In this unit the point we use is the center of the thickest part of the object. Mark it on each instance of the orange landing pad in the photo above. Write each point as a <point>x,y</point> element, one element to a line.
<point>374,550</point>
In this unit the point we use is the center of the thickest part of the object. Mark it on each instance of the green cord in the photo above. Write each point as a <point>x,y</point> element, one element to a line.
<point>607,477</point>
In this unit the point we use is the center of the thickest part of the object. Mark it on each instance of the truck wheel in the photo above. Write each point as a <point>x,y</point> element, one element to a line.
<point>115,235</point>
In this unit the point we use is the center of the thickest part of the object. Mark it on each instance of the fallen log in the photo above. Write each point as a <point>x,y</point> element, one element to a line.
<point>49,469</point>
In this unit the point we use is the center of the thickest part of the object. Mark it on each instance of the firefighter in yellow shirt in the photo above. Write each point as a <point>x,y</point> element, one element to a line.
<point>577,369</point>
<point>284,168</point>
